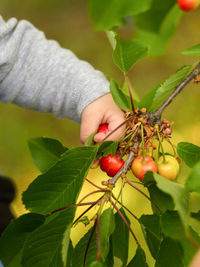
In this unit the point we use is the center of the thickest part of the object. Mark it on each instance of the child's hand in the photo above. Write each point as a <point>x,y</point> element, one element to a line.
<point>102,110</point>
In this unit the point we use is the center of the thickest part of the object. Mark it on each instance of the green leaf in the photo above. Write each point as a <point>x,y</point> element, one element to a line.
<point>195,215</point>
<point>125,90</point>
<point>127,53</point>
<point>188,248</point>
<point>107,226</point>
<point>111,38</point>
<point>157,96</point>
<point>155,31</point>
<point>192,51</point>
<point>122,100</point>
<point>48,245</point>
<point>61,184</point>
<point>109,13</point>
<point>80,249</point>
<point>150,225</point>
<point>193,182</point>
<point>139,260</point>
<point>174,190</point>
<point>12,241</point>
<point>120,249</point>
<point>172,226</point>
<point>96,264</point>
<point>159,198</point>
<point>152,19</point>
<point>45,152</point>
<point>90,139</point>
<point>189,153</point>
<point>108,147</point>
<point>170,254</point>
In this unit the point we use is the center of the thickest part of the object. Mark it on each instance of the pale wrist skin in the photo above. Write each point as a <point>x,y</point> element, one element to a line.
<point>102,110</point>
<point>196,260</point>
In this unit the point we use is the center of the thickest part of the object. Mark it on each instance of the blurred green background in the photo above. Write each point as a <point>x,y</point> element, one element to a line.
<point>68,22</point>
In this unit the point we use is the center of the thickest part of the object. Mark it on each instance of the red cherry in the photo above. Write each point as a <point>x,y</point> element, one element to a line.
<point>139,168</point>
<point>188,5</point>
<point>111,164</point>
<point>103,128</point>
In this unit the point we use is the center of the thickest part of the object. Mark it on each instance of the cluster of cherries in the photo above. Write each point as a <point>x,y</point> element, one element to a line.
<point>167,165</point>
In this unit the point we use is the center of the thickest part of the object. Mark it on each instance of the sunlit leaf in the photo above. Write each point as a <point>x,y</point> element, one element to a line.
<point>127,53</point>
<point>122,100</point>
<point>189,153</point>
<point>45,152</point>
<point>193,182</point>
<point>158,95</point>
<point>174,190</point>
<point>192,51</point>
<point>108,147</point>
<point>61,184</point>
<point>157,30</point>
<point>109,13</point>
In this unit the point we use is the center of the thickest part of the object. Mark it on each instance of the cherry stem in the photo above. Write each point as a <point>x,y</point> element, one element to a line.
<point>120,192</point>
<point>129,90</point>
<point>141,192</point>
<point>98,255</point>
<point>160,143</point>
<point>134,216</point>
<point>143,151</point>
<point>126,223</point>
<point>91,193</point>
<point>94,184</point>
<point>83,213</point>
<point>174,150</point>
<point>128,144</point>
<point>69,206</point>
<point>89,242</point>
<point>119,126</point>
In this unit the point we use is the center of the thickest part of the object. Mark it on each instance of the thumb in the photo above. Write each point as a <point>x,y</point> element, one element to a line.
<point>88,126</point>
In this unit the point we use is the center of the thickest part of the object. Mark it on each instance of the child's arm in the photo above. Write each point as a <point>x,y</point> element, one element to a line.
<point>37,73</point>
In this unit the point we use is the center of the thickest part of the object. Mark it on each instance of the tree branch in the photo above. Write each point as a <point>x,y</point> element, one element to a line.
<point>156,115</point>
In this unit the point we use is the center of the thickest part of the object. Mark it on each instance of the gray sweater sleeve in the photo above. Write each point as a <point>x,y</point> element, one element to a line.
<point>37,73</point>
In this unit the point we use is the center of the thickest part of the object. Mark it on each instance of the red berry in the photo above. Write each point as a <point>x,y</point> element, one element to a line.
<point>111,164</point>
<point>188,5</point>
<point>103,128</point>
<point>139,168</point>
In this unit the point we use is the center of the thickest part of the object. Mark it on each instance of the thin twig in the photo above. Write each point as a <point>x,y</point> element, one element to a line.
<point>156,115</point>
<point>91,193</point>
<point>94,184</point>
<point>98,255</point>
<point>134,216</point>
<point>89,242</point>
<point>125,221</point>
<point>119,126</point>
<point>141,192</point>
<point>69,206</point>
<point>130,93</point>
